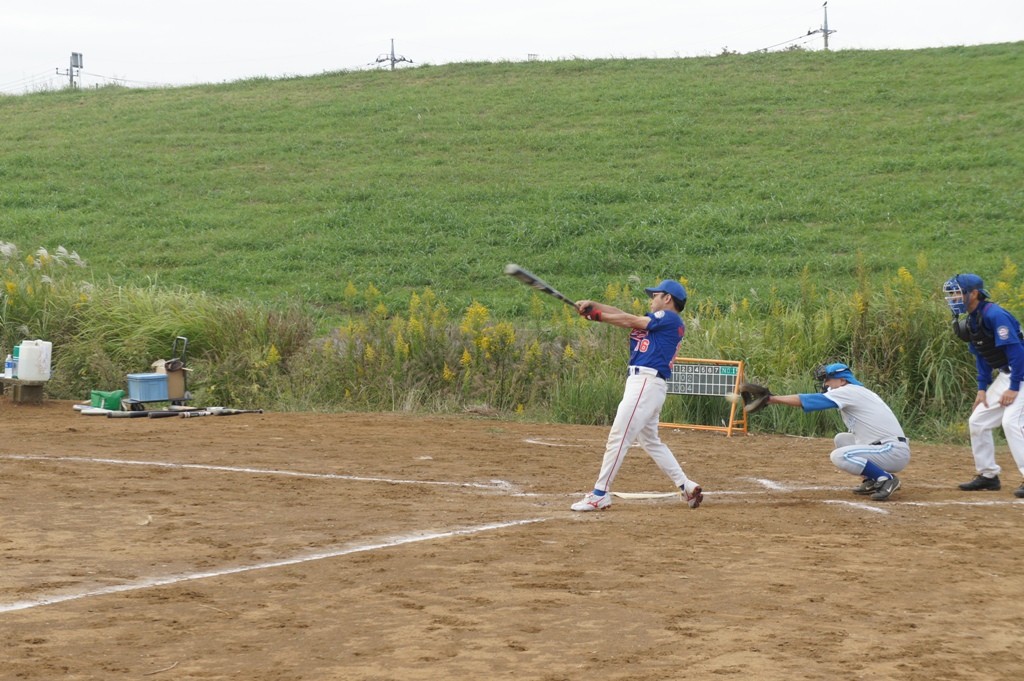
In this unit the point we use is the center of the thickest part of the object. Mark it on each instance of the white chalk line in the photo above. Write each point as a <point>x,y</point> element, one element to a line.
<point>855,504</point>
<point>493,484</point>
<point>548,444</point>
<point>176,579</point>
<point>496,485</point>
<point>962,503</point>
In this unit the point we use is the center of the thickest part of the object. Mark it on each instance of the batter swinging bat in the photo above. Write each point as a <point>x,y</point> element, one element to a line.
<point>536,282</point>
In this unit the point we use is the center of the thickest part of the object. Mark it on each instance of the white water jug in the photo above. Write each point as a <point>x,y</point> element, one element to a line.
<point>34,360</point>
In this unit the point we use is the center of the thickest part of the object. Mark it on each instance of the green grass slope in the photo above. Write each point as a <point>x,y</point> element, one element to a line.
<point>734,172</point>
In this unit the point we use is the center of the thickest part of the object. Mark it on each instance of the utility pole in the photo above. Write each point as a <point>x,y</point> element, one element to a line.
<point>76,63</point>
<point>824,29</point>
<point>391,57</point>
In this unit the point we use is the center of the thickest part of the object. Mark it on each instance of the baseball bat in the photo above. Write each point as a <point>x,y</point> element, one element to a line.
<point>232,412</point>
<point>536,282</point>
<point>142,413</point>
<point>194,414</point>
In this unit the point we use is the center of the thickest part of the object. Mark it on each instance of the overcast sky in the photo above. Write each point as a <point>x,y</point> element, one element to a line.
<point>211,41</point>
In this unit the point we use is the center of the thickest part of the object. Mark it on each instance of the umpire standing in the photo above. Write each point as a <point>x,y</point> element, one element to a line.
<point>995,340</point>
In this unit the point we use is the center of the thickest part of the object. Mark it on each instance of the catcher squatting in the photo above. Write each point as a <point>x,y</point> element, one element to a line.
<point>875,446</point>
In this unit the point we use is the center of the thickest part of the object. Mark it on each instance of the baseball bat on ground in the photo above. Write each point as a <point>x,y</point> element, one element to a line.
<point>536,282</point>
<point>194,414</point>
<point>142,413</point>
<point>218,411</point>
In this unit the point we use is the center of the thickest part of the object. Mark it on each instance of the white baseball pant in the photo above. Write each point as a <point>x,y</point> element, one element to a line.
<point>636,420</point>
<point>991,415</point>
<point>891,457</point>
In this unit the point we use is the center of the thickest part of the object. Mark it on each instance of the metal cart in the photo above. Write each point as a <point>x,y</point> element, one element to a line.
<point>172,365</point>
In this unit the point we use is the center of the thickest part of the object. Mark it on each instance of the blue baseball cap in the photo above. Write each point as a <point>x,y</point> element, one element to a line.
<point>841,371</point>
<point>673,288</point>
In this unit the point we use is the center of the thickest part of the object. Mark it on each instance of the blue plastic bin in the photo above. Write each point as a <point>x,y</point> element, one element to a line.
<point>147,387</point>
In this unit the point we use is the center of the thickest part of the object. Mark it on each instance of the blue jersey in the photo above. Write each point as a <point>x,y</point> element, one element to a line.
<point>655,347</point>
<point>1005,330</point>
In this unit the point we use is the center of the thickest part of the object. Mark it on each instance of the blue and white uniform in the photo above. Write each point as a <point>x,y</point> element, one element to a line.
<point>1003,331</point>
<point>875,436</point>
<point>652,351</point>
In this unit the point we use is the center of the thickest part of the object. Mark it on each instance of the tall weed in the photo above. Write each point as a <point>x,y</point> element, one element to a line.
<point>548,364</point>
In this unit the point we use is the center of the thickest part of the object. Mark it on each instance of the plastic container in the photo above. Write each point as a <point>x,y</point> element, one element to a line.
<point>106,400</point>
<point>14,362</point>
<point>34,360</point>
<point>9,367</point>
<point>147,387</point>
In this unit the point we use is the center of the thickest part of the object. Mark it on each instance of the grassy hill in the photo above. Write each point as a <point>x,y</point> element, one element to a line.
<point>733,172</point>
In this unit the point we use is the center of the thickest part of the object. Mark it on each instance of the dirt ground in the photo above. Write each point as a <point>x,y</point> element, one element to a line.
<point>303,546</point>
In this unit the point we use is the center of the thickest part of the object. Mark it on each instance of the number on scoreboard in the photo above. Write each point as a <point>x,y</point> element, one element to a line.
<point>702,379</point>
<point>713,377</point>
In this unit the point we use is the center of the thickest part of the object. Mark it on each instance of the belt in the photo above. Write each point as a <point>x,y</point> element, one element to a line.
<point>636,371</point>
<point>901,439</point>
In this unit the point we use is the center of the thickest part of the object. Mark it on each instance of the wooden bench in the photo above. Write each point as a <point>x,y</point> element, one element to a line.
<point>24,391</point>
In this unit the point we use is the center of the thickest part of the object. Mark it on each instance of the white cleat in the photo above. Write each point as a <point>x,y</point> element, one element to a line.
<point>592,502</point>
<point>694,496</point>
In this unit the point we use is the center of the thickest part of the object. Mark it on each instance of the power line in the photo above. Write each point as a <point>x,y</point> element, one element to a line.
<point>824,30</point>
<point>126,80</point>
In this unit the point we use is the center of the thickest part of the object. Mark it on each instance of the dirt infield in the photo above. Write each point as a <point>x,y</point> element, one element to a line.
<point>301,546</point>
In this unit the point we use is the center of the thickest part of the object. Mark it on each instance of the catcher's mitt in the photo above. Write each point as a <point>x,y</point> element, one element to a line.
<point>755,397</point>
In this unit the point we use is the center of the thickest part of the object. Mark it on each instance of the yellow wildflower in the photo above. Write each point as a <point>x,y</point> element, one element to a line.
<point>475,318</point>
<point>416,328</point>
<point>371,293</point>
<point>447,374</point>
<point>860,304</point>
<point>568,354</point>
<point>533,352</point>
<point>350,292</point>
<point>273,356</point>
<point>401,347</point>
<point>611,293</point>
<point>536,306</point>
<point>467,358</point>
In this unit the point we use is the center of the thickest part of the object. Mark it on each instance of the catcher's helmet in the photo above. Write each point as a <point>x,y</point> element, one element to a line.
<point>958,289</point>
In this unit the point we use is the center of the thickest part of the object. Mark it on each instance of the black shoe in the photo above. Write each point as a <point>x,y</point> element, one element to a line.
<point>982,483</point>
<point>867,487</point>
<point>886,488</point>
<point>1019,492</point>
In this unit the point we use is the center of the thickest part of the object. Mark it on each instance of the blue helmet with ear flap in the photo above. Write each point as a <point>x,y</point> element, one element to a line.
<point>823,372</point>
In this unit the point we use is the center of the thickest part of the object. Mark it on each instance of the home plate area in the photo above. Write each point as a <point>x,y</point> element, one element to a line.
<point>370,546</point>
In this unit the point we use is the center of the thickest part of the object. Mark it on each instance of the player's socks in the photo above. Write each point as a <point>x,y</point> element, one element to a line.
<point>872,470</point>
<point>599,493</point>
